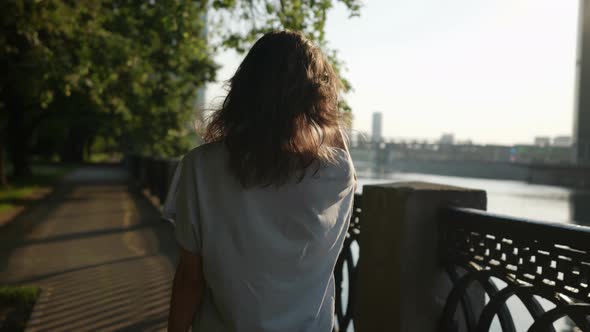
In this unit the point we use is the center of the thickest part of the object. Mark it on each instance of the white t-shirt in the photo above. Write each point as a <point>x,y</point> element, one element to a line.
<point>268,253</point>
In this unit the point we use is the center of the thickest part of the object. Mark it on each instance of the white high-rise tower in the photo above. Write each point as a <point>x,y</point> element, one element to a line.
<point>377,134</point>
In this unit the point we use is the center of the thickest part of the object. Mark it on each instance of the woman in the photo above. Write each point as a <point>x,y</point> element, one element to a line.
<point>262,209</point>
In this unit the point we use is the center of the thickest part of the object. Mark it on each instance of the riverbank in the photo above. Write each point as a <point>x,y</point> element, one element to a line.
<point>509,197</point>
<point>565,175</point>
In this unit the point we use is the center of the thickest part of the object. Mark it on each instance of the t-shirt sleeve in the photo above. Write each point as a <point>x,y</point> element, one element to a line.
<point>187,223</point>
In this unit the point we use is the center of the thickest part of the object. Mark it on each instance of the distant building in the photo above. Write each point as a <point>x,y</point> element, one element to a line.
<point>447,139</point>
<point>377,133</point>
<point>582,117</point>
<point>563,141</point>
<point>542,141</point>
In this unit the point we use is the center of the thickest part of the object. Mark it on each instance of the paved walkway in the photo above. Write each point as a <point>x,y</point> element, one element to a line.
<point>99,252</point>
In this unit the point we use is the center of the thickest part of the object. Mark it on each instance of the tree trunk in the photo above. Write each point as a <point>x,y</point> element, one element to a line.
<point>3,180</point>
<point>18,143</point>
<point>21,162</point>
<point>73,149</point>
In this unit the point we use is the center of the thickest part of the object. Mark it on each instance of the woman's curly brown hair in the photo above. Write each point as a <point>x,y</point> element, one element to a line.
<point>281,113</point>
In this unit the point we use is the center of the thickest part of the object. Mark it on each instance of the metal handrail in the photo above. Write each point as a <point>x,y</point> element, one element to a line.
<point>533,260</point>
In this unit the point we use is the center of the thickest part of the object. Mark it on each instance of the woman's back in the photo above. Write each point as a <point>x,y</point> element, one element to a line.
<point>262,209</point>
<point>268,252</point>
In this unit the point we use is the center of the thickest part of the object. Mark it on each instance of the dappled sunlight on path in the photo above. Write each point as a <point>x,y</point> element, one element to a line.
<point>99,252</point>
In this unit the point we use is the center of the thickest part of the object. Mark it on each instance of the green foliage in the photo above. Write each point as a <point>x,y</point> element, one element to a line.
<point>249,19</point>
<point>10,295</point>
<point>75,70</point>
<point>120,71</point>
<point>17,303</point>
<point>23,191</point>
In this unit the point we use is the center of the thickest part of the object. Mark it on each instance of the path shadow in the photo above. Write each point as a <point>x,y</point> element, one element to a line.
<point>128,294</point>
<point>163,230</point>
<point>15,232</point>
<point>79,235</point>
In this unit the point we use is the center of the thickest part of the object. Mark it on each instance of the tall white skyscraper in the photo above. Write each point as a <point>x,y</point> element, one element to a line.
<point>377,127</point>
<point>582,118</point>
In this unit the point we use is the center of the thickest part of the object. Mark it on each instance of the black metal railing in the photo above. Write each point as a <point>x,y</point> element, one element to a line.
<point>345,271</point>
<point>491,259</point>
<point>155,175</point>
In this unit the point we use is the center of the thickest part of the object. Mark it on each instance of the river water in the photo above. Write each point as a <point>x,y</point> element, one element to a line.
<point>512,198</point>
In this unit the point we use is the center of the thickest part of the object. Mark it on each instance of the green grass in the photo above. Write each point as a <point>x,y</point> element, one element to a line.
<point>5,207</point>
<point>43,174</point>
<point>16,305</point>
<point>105,157</point>
<point>15,195</point>
<point>18,190</point>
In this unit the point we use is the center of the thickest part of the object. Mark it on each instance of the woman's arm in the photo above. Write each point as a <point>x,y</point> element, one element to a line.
<point>187,291</point>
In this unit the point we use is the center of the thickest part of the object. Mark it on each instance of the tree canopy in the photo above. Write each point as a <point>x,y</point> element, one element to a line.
<point>123,73</point>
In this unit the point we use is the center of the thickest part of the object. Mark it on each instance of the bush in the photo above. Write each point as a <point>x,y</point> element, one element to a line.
<point>16,305</point>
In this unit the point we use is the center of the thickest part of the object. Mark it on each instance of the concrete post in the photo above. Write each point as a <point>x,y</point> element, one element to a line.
<point>399,280</point>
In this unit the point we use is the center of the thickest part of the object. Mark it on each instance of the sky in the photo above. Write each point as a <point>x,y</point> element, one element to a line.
<point>491,71</point>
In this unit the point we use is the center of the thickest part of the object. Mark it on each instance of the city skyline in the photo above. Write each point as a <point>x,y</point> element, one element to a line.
<point>448,137</point>
<point>428,66</point>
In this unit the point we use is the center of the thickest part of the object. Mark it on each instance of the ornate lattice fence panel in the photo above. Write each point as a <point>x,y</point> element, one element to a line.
<point>545,266</point>
<point>345,270</point>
